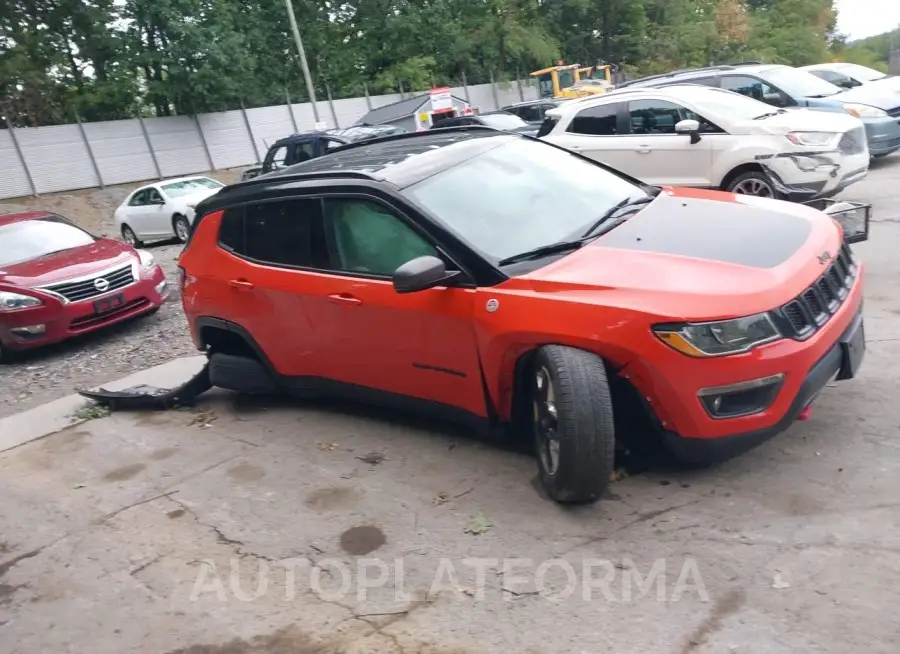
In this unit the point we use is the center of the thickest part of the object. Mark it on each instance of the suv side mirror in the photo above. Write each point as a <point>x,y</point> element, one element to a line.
<point>691,127</point>
<point>420,274</point>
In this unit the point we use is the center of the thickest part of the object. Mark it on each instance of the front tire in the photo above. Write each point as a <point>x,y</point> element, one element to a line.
<point>754,182</point>
<point>182,228</point>
<point>572,421</point>
<point>130,237</point>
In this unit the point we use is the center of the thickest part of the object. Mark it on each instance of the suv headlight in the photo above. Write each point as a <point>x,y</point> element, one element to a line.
<point>15,301</point>
<point>864,110</point>
<point>147,260</point>
<point>818,139</point>
<point>718,338</point>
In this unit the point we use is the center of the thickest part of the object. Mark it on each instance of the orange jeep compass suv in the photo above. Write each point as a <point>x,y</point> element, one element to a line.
<point>506,281</point>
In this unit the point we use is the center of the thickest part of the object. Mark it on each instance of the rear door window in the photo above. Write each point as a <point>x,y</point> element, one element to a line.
<point>596,121</point>
<point>284,233</point>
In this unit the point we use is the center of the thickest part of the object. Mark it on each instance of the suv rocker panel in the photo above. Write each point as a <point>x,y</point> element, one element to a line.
<point>319,386</point>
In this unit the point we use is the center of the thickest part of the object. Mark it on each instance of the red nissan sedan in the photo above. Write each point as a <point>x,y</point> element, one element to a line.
<point>58,281</point>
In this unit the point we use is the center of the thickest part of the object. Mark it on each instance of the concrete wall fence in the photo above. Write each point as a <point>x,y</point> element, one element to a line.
<point>38,160</point>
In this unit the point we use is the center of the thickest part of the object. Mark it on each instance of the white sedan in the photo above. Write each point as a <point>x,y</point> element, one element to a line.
<point>163,210</point>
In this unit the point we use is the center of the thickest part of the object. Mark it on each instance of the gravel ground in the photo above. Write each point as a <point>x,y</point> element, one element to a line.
<point>49,373</point>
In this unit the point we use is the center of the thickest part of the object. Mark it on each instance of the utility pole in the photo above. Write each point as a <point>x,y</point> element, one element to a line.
<point>303,63</point>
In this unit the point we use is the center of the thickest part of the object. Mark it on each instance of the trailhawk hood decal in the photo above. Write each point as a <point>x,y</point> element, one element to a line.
<point>732,232</point>
<point>729,254</point>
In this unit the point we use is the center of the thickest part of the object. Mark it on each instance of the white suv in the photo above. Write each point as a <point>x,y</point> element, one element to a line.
<point>692,135</point>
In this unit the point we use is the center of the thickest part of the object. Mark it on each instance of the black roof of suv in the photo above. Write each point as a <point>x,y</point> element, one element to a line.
<point>688,75</point>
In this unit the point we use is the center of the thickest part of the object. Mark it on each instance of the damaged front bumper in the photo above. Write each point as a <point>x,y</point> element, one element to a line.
<point>152,398</point>
<point>814,176</point>
<point>854,217</point>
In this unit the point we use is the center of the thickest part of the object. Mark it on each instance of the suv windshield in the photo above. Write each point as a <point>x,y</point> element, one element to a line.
<point>503,121</point>
<point>721,102</point>
<point>860,72</point>
<point>520,196</point>
<point>799,83</point>
<point>188,186</point>
<point>30,239</point>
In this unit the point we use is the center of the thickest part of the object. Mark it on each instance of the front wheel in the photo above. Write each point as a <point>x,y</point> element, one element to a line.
<point>572,420</point>
<point>130,237</point>
<point>182,228</point>
<point>755,183</point>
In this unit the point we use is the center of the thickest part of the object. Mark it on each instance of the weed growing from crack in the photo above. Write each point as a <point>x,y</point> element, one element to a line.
<point>91,411</point>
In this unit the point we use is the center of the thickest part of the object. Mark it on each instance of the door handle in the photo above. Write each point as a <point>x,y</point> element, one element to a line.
<point>345,298</point>
<point>644,149</point>
<point>241,284</point>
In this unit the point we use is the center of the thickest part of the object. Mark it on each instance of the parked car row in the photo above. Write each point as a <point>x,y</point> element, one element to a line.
<point>551,285</point>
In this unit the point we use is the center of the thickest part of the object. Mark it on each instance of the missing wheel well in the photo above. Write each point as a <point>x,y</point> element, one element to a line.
<point>637,427</point>
<point>223,341</point>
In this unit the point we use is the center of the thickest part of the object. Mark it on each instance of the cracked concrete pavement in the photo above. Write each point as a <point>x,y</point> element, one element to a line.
<point>244,526</point>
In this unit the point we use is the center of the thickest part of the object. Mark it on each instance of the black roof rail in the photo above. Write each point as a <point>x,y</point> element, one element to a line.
<point>682,71</point>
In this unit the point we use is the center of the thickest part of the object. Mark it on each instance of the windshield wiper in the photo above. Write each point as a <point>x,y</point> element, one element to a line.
<point>574,244</point>
<point>616,208</point>
<point>771,113</point>
<point>543,250</point>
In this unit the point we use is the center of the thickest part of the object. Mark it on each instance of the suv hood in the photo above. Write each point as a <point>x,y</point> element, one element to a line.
<point>68,264</point>
<point>804,120</point>
<point>699,255</point>
<point>872,95</point>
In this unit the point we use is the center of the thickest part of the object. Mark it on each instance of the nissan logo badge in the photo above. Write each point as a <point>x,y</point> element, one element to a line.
<point>101,284</point>
<point>824,258</point>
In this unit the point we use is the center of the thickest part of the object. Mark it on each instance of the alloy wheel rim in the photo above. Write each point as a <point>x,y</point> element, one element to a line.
<point>546,421</point>
<point>129,236</point>
<point>181,231</point>
<point>754,187</point>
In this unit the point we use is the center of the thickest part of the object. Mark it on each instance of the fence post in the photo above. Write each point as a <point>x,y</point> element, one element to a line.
<point>15,141</point>
<point>519,85</point>
<point>150,147</point>
<point>400,84</point>
<point>290,108</point>
<point>494,91</point>
<point>250,132</point>
<point>90,151</point>
<point>368,99</point>
<point>331,104</point>
<point>209,158</point>
<point>466,87</point>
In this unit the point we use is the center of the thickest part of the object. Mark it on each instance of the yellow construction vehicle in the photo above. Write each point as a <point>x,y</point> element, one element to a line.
<point>572,80</point>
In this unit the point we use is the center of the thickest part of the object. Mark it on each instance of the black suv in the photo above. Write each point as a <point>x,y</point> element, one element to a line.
<point>298,148</point>
<point>532,111</point>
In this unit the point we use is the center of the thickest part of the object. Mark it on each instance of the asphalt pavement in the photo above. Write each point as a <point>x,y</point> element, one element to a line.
<point>244,527</point>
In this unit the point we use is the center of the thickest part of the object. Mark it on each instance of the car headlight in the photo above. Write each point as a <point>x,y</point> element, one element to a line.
<point>864,110</point>
<point>15,301</point>
<point>819,139</point>
<point>147,260</point>
<point>722,337</point>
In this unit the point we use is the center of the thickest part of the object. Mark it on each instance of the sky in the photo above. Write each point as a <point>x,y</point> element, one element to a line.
<point>861,18</point>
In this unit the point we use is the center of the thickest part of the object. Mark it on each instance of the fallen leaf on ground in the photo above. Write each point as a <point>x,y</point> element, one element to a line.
<point>77,486</point>
<point>372,458</point>
<point>441,498</point>
<point>203,419</point>
<point>478,525</point>
<point>327,446</point>
<point>779,582</point>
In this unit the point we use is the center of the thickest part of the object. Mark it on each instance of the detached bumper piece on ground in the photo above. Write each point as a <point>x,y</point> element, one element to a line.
<point>143,397</point>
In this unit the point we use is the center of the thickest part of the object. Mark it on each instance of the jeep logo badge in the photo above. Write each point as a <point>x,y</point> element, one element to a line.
<point>101,284</point>
<point>824,258</point>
